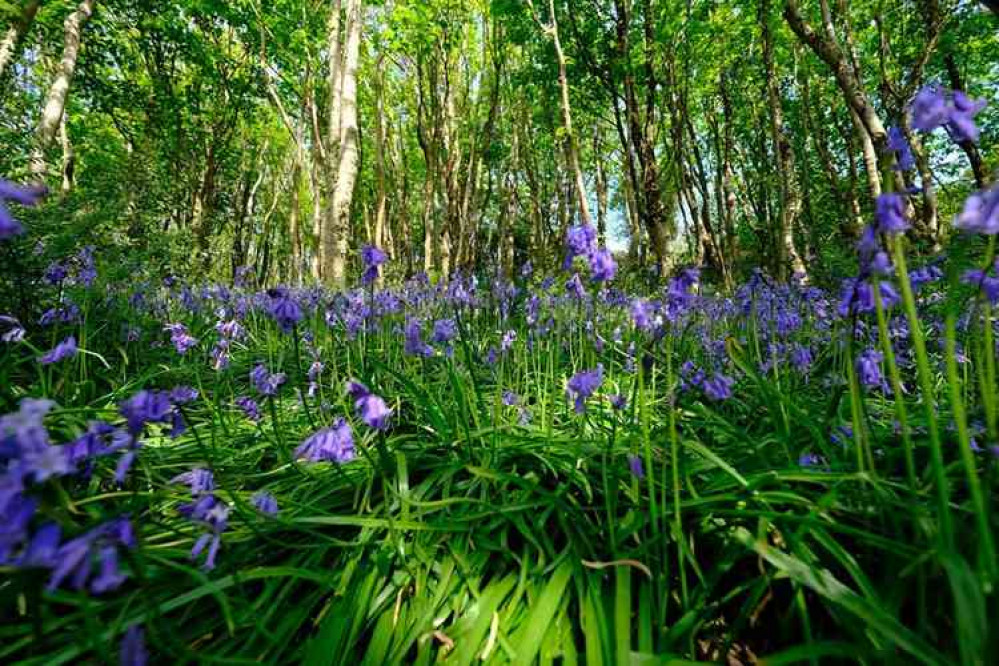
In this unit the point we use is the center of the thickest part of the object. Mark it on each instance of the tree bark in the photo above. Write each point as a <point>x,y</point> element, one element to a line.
<point>15,33</point>
<point>336,226</point>
<point>55,104</point>
<point>787,173</point>
<point>571,146</point>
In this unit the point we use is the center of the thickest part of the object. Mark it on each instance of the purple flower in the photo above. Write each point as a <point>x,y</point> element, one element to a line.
<point>266,383</point>
<point>371,408</point>
<point>641,314</point>
<point>574,286</point>
<point>510,399</point>
<point>249,406</point>
<point>618,401</point>
<point>809,460</point>
<point>903,153</point>
<point>74,558</point>
<point>929,109</point>
<point>981,213</point>
<point>963,110</point>
<point>284,309</point>
<point>199,480</point>
<point>265,503</point>
<point>14,333</point>
<point>602,265</point>
<point>181,339</point>
<point>506,343</point>
<point>63,350</point>
<point>373,257</point>
<point>146,407</point>
<point>636,467</point>
<point>869,368</point>
<point>582,385</point>
<point>26,196</point>
<point>580,241</point>
<point>890,213</point>
<point>181,395</point>
<point>415,346</point>
<point>133,648</point>
<point>933,107</point>
<point>718,387</point>
<point>445,330</point>
<point>335,443</point>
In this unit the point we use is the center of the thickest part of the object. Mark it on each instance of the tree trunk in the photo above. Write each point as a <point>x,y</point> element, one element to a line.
<point>336,226</point>
<point>15,33</point>
<point>55,103</point>
<point>571,146</point>
<point>784,152</point>
<point>68,158</point>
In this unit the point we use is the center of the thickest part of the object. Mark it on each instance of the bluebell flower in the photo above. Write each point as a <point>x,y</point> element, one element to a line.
<point>582,385</point>
<point>199,480</point>
<point>636,467</point>
<point>63,350</point>
<point>181,339</point>
<point>371,408</point>
<point>602,265</point>
<point>869,368</point>
<point>146,407</point>
<point>14,331</point>
<point>284,308</point>
<point>414,344</point>
<point>265,503</point>
<point>249,407</point>
<point>266,383</point>
<point>24,195</point>
<point>897,143</point>
<point>445,330</point>
<point>981,213</point>
<point>580,241</point>
<point>335,443</point>
<point>372,257</point>
<point>718,387</point>
<point>890,213</point>
<point>133,648</point>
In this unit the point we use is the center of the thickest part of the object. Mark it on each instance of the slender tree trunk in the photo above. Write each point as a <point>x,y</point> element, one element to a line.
<point>55,103</point>
<point>571,146</point>
<point>784,152</point>
<point>15,33</point>
<point>337,222</point>
<point>68,158</point>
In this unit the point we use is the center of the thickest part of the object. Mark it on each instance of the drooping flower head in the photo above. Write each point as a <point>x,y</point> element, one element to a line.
<point>370,407</point>
<point>981,213</point>
<point>284,308</point>
<point>890,213</point>
<point>266,382</point>
<point>580,241</point>
<point>62,351</point>
<point>181,339</point>
<point>373,257</point>
<point>869,368</point>
<point>898,144</point>
<point>582,385</point>
<point>335,443</point>
<point>602,265</point>
<point>26,196</point>
<point>265,503</point>
<point>199,480</point>
<point>935,107</point>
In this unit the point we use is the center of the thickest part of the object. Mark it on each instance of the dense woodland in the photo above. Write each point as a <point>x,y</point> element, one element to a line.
<point>604,332</point>
<point>461,134</point>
